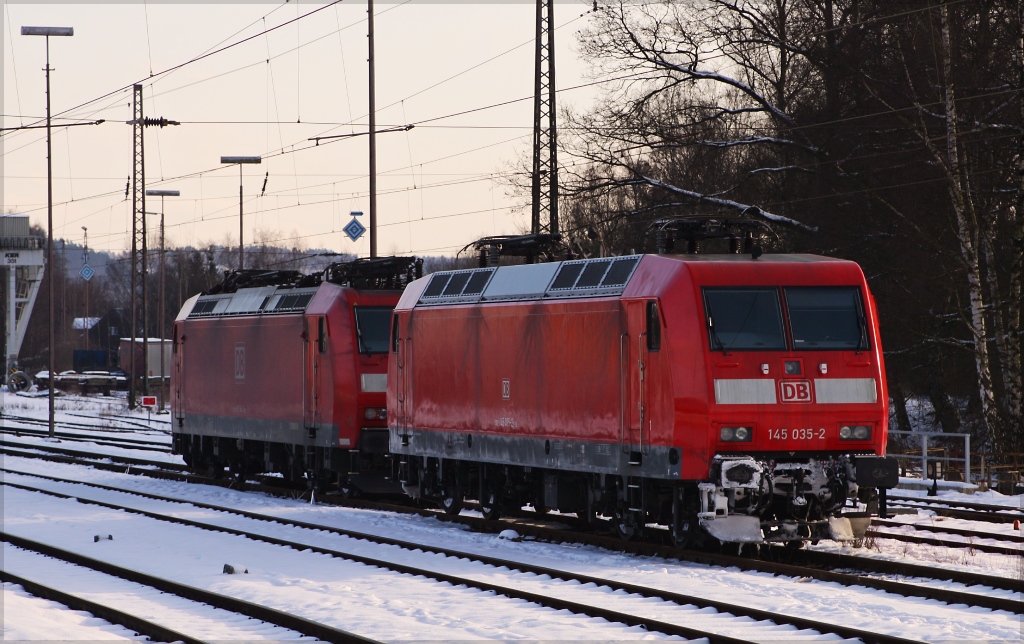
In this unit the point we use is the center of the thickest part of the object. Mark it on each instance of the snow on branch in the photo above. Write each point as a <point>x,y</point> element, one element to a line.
<point>728,203</point>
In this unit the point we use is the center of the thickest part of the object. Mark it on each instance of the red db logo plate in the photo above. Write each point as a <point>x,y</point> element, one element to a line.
<point>795,390</point>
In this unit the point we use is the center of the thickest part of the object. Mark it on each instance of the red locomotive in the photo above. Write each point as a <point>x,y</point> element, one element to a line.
<point>735,395</point>
<point>274,371</point>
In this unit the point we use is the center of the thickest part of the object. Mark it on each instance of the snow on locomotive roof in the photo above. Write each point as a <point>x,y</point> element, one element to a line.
<point>575,278</point>
<point>263,300</point>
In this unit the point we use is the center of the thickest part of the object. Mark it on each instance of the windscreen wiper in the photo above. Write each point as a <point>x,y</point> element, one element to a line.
<point>714,336</point>
<point>862,340</point>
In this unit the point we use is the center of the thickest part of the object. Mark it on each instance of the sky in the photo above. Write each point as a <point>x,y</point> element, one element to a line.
<point>441,185</point>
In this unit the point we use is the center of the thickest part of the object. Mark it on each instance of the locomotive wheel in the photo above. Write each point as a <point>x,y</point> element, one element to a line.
<point>490,506</point>
<point>451,500</point>
<point>625,524</point>
<point>347,490</point>
<point>683,530</point>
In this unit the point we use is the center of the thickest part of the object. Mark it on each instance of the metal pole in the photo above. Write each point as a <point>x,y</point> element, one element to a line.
<point>241,243</point>
<point>138,270</point>
<point>49,245</point>
<point>163,325</point>
<point>145,279</point>
<point>967,458</point>
<point>86,261</point>
<point>373,136</point>
<point>924,456</point>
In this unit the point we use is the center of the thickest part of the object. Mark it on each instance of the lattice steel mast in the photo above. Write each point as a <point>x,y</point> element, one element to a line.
<point>545,158</point>
<point>138,268</point>
<point>139,256</point>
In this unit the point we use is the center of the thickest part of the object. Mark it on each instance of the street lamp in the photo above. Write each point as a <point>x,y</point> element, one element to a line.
<point>241,241</point>
<point>49,31</point>
<point>161,314</point>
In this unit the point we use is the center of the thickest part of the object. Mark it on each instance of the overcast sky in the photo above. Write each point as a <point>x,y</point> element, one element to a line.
<point>440,185</point>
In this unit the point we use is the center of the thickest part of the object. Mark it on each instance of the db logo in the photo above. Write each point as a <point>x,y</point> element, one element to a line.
<point>239,361</point>
<point>795,390</point>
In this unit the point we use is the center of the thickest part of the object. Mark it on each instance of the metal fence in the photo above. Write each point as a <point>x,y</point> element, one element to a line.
<point>937,454</point>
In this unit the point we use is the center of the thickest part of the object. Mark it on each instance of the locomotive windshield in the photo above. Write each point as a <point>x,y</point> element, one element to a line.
<point>744,319</point>
<point>826,318</point>
<point>372,326</point>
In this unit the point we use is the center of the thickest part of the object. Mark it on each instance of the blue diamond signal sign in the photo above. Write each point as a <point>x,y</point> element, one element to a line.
<point>354,230</point>
<point>87,272</point>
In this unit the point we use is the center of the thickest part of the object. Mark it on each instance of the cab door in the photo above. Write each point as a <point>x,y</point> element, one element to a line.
<point>314,349</point>
<point>633,355</point>
<point>178,357</point>
<point>403,381</point>
<point>641,337</point>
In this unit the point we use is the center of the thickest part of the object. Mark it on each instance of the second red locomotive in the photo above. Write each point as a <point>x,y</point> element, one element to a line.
<point>274,371</point>
<point>729,395</point>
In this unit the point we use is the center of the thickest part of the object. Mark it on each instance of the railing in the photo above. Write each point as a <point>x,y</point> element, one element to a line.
<point>935,449</point>
<point>944,456</point>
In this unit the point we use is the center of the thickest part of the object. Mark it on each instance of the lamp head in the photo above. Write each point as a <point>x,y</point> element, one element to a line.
<point>47,31</point>
<point>241,159</point>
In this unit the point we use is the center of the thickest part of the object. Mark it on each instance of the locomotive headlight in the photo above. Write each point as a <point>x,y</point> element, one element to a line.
<point>855,432</point>
<point>736,434</point>
<point>382,413</point>
<point>370,413</point>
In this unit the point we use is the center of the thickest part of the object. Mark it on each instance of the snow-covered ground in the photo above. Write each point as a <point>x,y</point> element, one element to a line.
<point>388,606</point>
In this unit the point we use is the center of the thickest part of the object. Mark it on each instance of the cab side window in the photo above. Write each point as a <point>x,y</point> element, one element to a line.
<point>653,327</point>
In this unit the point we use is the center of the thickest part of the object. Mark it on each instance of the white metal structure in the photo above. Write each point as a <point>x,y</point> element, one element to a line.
<point>23,261</point>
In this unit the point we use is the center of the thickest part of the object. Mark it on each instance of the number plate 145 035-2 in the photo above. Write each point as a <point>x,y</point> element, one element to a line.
<point>798,434</point>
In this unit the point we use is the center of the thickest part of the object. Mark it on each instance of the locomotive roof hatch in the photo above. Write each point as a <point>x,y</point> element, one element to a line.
<point>602,277</point>
<point>264,300</point>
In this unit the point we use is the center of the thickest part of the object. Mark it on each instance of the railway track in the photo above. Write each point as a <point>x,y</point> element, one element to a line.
<point>817,564</point>
<point>148,587</point>
<point>127,426</point>
<point>126,443</point>
<point>970,535</point>
<point>960,509</point>
<point>546,600</point>
<point>679,599</point>
<point>134,421</point>
<point>78,456</point>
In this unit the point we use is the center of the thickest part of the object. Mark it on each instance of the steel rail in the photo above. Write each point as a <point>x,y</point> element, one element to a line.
<point>224,602</point>
<point>124,443</point>
<point>946,543</point>
<point>961,509</point>
<point>963,532</point>
<point>127,460</point>
<point>130,420</point>
<point>542,600</point>
<point>153,631</point>
<point>131,428</point>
